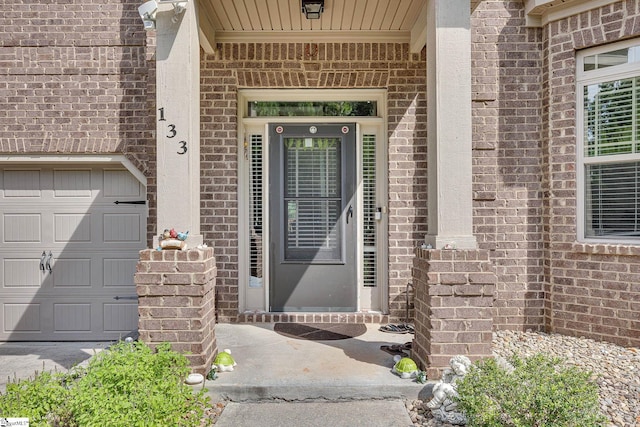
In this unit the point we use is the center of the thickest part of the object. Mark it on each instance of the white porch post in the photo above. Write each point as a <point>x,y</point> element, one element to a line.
<point>449,124</point>
<point>178,121</point>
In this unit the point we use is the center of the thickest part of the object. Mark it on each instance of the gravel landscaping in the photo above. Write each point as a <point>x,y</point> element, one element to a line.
<point>616,368</point>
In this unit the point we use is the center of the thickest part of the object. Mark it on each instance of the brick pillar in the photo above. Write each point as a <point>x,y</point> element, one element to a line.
<point>454,294</point>
<point>176,302</point>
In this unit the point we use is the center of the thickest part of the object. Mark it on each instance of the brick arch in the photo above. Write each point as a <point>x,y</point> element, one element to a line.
<point>313,79</point>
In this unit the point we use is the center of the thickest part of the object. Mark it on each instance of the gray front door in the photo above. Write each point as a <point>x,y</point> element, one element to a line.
<point>312,207</point>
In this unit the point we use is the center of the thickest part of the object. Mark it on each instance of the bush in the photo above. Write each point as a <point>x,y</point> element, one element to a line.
<point>536,392</point>
<point>126,385</point>
<point>41,399</point>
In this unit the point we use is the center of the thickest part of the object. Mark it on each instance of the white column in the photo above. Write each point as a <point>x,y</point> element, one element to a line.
<point>178,121</point>
<point>450,206</point>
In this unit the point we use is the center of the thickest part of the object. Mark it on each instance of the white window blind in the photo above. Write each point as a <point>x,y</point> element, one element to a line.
<point>612,199</point>
<point>610,88</point>
<point>312,197</point>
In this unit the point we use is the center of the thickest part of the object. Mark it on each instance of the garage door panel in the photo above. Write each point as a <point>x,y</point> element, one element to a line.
<point>120,318</point>
<point>72,228</point>
<point>21,273</point>
<point>21,317</point>
<point>120,227</point>
<point>68,319</point>
<point>72,317</point>
<point>120,183</point>
<point>21,228</point>
<point>119,272</point>
<point>22,183</point>
<point>72,272</point>
<point>72,183</point>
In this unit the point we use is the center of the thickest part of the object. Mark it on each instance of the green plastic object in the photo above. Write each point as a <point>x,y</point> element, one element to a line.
<point>224,361</point>
<point>405,367</point>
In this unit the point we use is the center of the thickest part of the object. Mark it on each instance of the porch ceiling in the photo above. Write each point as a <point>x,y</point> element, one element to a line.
<point>402,21</point>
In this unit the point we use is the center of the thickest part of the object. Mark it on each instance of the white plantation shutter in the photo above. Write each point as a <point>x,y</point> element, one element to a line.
<point>256,207</point>
<point>369,209</point>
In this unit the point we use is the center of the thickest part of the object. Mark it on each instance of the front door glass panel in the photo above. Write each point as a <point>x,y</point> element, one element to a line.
<point>312,199</point>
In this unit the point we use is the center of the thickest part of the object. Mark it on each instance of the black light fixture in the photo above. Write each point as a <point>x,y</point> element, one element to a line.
<point>312,9</point>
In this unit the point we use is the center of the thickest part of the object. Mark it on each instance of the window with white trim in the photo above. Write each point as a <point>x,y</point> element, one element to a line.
<point>608,95</point>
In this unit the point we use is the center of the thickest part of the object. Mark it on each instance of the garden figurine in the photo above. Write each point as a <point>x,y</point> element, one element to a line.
<point>224,362</point>
<point>404,367</point>
<point>443,405</point>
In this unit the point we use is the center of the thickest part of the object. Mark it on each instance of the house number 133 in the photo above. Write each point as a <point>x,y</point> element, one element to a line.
<point>172,133</point>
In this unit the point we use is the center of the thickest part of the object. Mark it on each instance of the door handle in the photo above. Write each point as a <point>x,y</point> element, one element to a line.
<point>42,257</point>
<point>349,213</point>
<point>48,264</point>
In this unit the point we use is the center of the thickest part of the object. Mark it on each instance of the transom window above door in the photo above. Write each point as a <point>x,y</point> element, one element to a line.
<point>312,108</point>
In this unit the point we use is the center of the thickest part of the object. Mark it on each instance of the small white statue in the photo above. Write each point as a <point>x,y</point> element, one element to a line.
<point>443,406</point>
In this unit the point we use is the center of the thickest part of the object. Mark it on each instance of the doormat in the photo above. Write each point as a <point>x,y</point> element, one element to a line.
<point>320,331</point>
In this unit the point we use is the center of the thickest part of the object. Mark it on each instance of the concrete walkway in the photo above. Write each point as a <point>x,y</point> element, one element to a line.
<point>20,360</point>
<point>369,413</point>
<point>279,380</point>
<point>282,381</point>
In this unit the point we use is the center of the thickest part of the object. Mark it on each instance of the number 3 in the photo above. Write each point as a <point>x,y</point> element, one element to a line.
<point>172,131</point>
<point>183,147</point>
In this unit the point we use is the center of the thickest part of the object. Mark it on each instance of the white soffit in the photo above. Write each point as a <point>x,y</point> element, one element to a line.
<point>265,21</point>
<point>542,12</point>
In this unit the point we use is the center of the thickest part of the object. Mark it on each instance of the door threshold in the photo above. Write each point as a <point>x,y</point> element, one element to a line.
<point>317,317</point>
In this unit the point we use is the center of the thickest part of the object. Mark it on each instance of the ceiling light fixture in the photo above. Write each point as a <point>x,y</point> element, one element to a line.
<point>312,9</point>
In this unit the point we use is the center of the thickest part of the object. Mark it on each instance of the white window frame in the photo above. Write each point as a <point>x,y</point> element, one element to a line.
<point>583,79</point>
<point>257,299</point>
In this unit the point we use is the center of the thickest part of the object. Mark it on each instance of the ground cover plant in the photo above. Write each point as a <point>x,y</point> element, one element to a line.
<point>127,385</point>
<point>532,392</point>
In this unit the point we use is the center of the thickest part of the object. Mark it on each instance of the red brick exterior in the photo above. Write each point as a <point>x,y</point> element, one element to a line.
<point>76,79</point>
<point>455,293</point>
<point>176,302</point>
<point>508,159</point>
<point>592,290</point>
<point>323,65</point>
<point>79,78</point>
<point>524,176</point>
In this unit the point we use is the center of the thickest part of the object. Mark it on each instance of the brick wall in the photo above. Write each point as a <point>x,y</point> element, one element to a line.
<point>298,65</point>
<point>176,302</point>
<point>75,80</point>
<point>78,77</point>
<point>455,293</point>
<point>593,290</point>
<point>507,158</point>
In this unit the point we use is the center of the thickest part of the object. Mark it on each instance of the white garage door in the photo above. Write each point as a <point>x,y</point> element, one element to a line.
<point>69,248</point>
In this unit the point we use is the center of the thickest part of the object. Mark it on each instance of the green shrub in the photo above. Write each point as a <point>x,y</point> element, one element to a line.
<point>537,392</point>
<point>127,385</point>
<point>41,399</point>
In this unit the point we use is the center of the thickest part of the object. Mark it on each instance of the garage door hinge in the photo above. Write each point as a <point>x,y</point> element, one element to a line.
<point>117,297</point>
<point>133,202</point>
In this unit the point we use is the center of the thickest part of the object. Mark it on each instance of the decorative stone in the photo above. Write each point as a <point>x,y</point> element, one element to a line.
<point>193,379</point>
